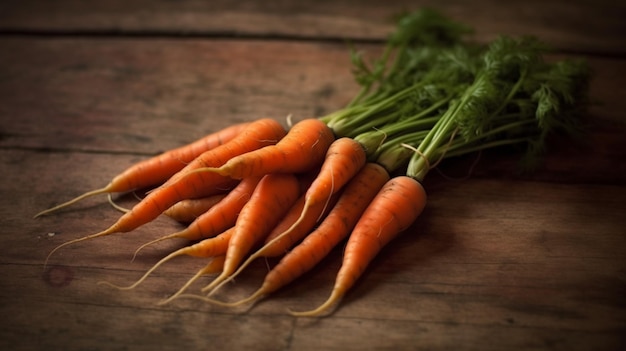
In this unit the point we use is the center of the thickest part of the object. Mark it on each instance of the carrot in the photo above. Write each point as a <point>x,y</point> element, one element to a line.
<point>394,209</point>
<point>256,135</point>
<point>344,158</point>
<point>218,218</point>
<point>282,240</point>
<point>279,240</point>
<point>288,220</point>
<point>294,212</point>
<point>280,247</point>
<point>158,169</point>
<point>211,247</point>
<point>115,205</point>
<point>272,198</point>
<point>216,265</point>
<point>292,228</point>
<point>186,211</point>
<point>300,150</point>
<point>335,227</point>
<point>260,133</point>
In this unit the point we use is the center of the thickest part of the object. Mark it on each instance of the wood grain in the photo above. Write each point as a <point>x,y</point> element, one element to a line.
<point>595,26</point>
<point>498,260</point>
<point>101,92</point>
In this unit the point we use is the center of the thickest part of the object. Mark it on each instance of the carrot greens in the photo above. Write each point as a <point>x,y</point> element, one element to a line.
<point>443,95</point>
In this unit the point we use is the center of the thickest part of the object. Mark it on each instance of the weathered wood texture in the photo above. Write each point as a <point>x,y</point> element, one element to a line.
<point>498,261</point>
<point>578,26</point>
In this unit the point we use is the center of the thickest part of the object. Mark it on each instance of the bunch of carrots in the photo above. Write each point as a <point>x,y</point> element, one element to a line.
<point>257,190</point>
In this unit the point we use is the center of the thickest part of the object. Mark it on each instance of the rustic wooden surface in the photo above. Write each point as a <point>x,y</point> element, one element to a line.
<point>498,261</point>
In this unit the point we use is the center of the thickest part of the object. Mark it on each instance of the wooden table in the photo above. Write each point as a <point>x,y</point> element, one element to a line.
<point>497,261</point>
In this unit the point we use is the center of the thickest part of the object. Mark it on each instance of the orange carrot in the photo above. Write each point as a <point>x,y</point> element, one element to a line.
<point>344,158</point>
<point>218,218</point>
<point>394,209</point>
<point>158,169</point>
<point>186,211</point>
<point>300,150</point>
<point>288,238</point>
<point>216,265</point>
<point>257,134</point>
<point>272,198</point>
<point>288,220</point>
<point>280,247</point>
<point>279,240</point>
<point>211,247</point>
<point>294,212</point>
<point>361,189</point>
<point>115,205</point>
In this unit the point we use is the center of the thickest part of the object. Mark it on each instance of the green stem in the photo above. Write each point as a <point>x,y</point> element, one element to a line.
<point>380,65</point>
<point>394,154</point>
<point>358,119</point>
<point>428,150</point>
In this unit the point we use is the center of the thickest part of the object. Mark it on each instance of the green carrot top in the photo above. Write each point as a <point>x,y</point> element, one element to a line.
<point>433,94</point>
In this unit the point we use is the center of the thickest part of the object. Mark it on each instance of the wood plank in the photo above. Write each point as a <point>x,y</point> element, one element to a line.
<point>569,25</point>
<point>55,318</point>
<point>112,95</point>
<point>497,261</point>
<point>533,265</point>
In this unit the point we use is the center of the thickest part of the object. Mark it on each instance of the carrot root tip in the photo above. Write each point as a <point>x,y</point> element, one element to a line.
<point>72,201</point>
<point>107,231</point>
<point>118,287</point>
<point>157,240</point>
<point>214,285</point>
<point>207,269</point>
<point>201,298</point>
<point>115,205</point>
<point>252,299</point>
<point>325,308</point>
